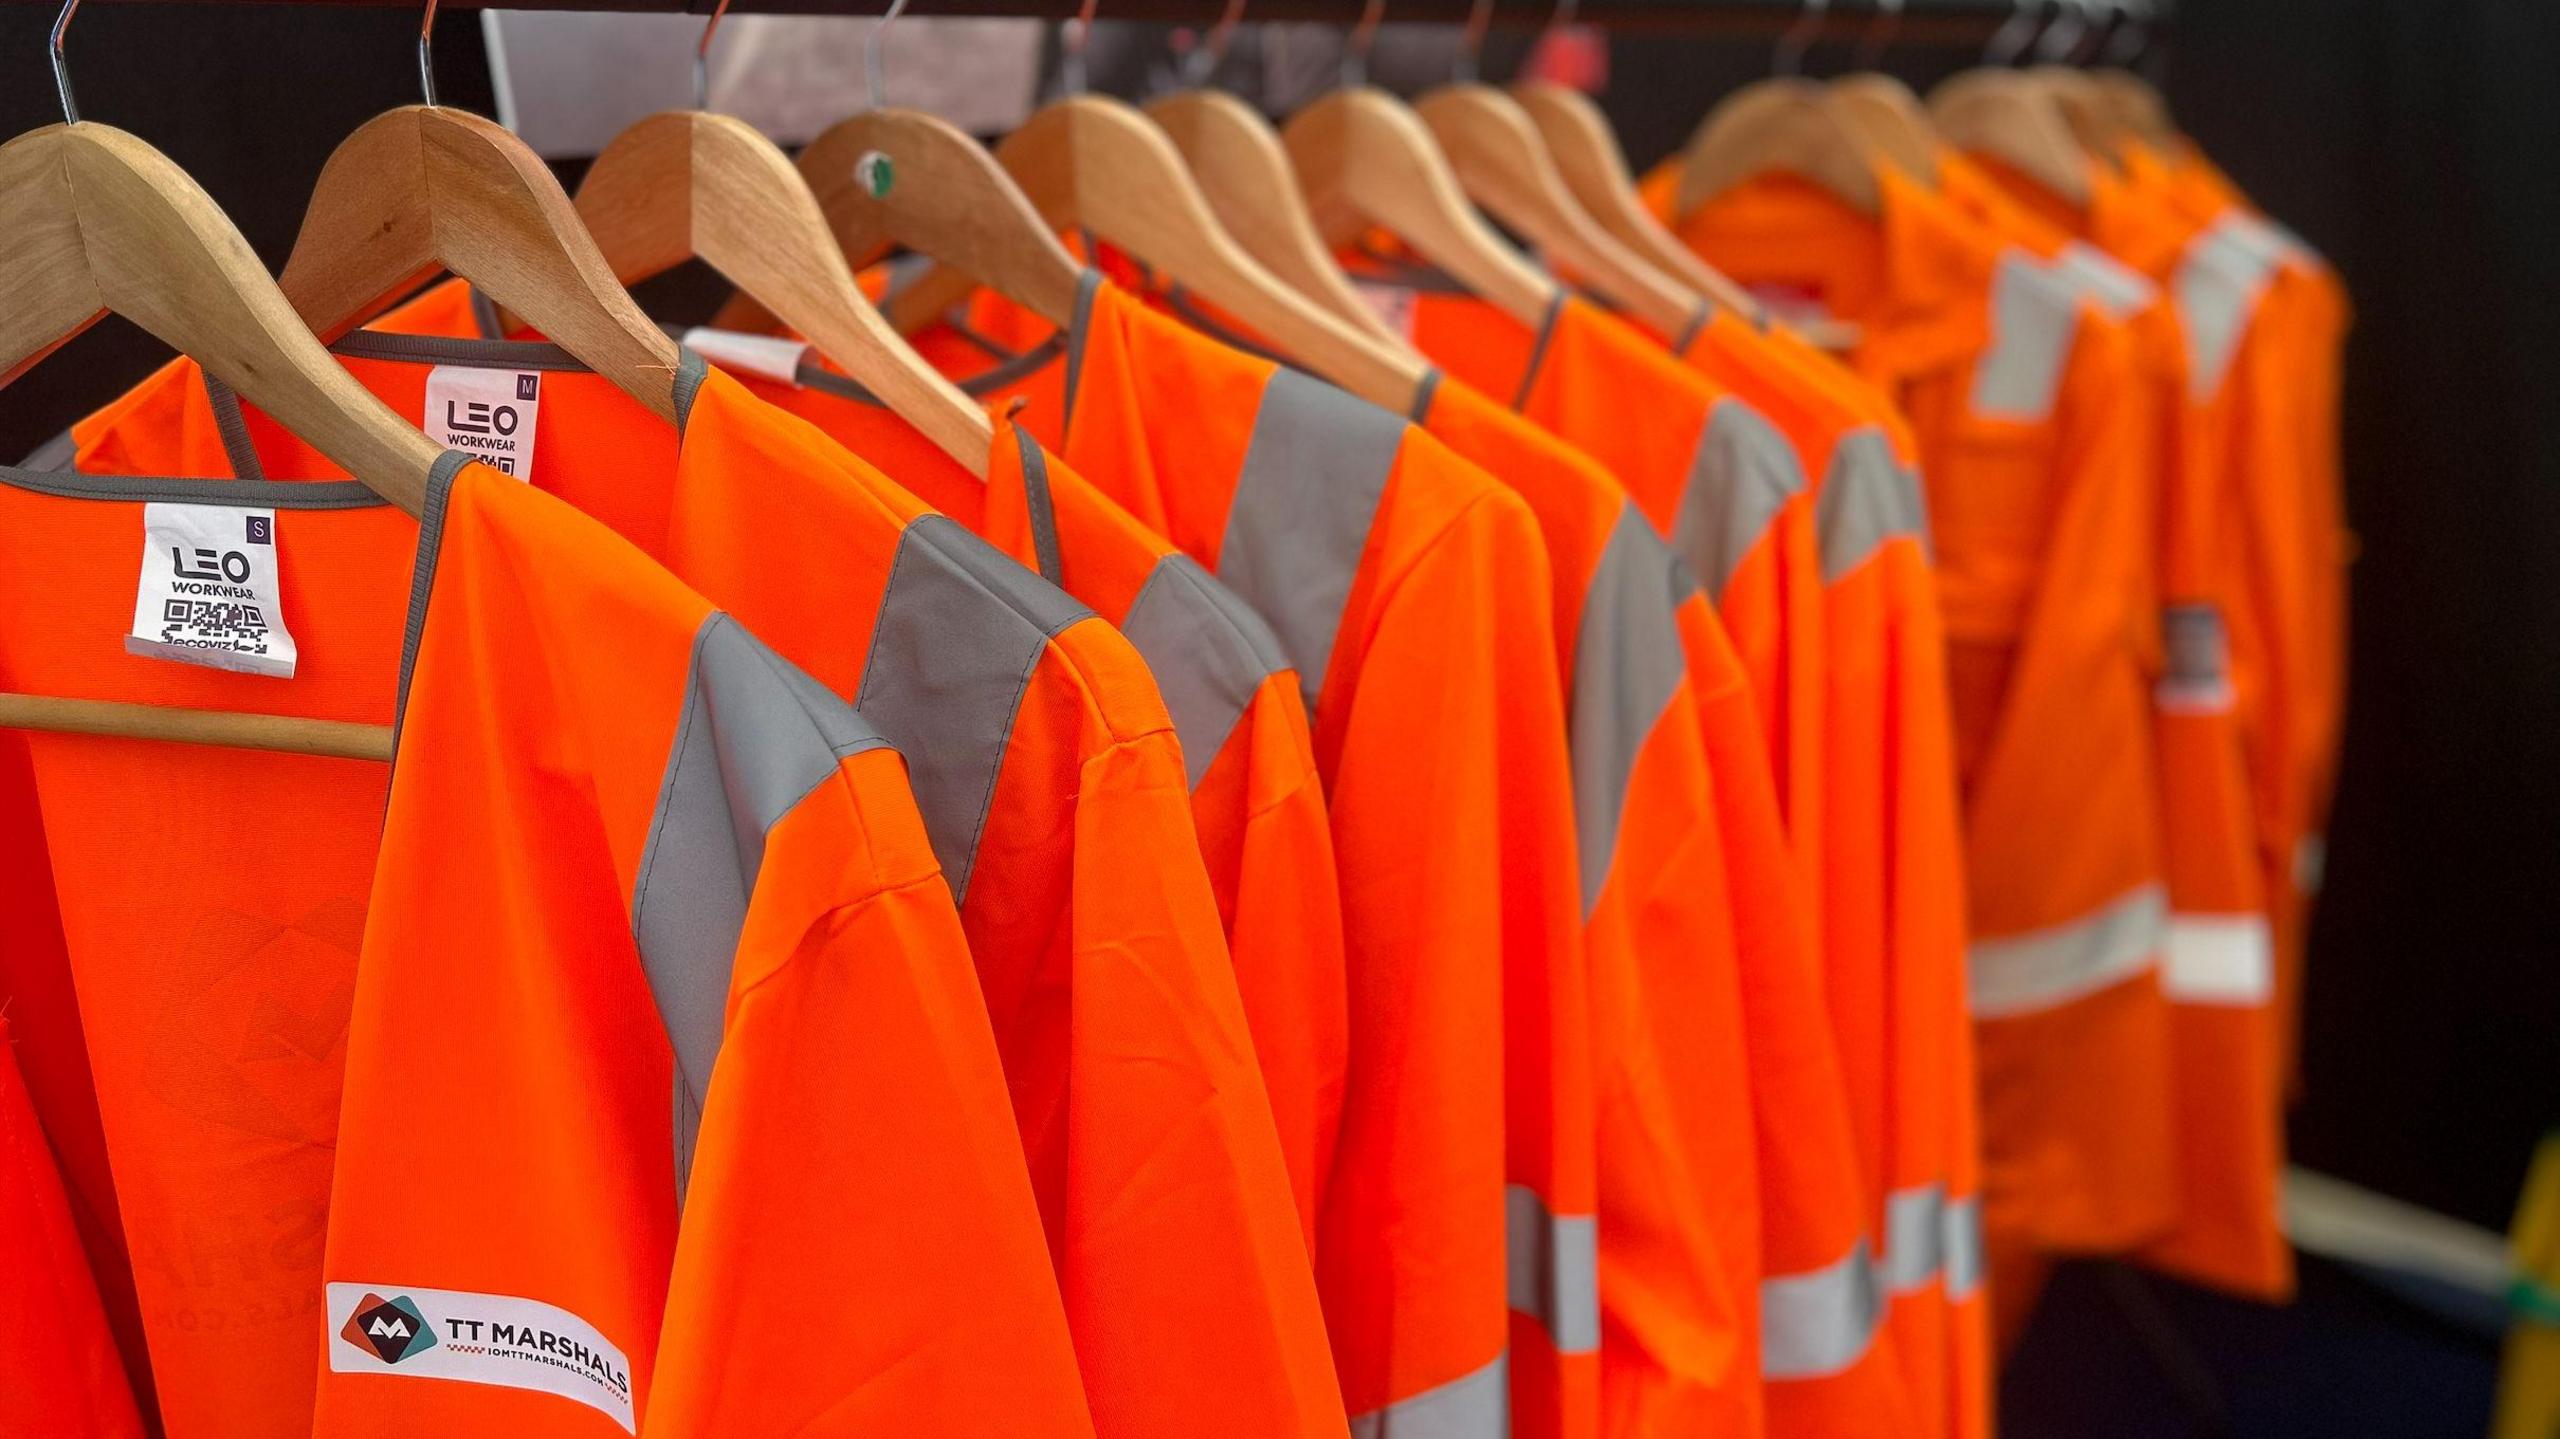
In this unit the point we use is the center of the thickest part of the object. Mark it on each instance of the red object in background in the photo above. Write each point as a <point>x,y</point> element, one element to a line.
<point>1575,56</point>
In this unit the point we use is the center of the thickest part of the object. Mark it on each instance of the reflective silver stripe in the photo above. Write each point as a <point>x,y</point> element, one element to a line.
<point>1313,474</point>
<point>1627,664</point>
<point>2115,288</point>
<point>2225,959</point>
<point>1477,1406</point>
<point>755,737</point>
<point>1821,1321</point>
<point>1915,1237</point>
<point>2023,973</point>
<point>1963,1231</point>
<point>1743,473</point>
<point>2034,316</point>
<point>1554,1270</point>
<point>1208,650</point>
<point>1867,498</point>
<point>959,630</point>
<point>2217,285</point>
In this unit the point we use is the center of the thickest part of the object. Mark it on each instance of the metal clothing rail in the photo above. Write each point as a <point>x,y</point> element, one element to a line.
<point>1921,21</point>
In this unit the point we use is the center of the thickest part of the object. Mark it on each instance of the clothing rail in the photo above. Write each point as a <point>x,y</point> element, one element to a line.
<point>1921,21</point>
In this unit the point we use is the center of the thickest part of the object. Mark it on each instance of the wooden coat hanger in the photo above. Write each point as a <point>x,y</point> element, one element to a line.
<point>424,189</point>
<point>2086,109</point>
<point>1365,159</point>
<point>2010,116</point>
<point>1784,124</point>
<point>2138,106</point>
<point>1881,108</point>
<point>687,184</point>
<point>1100,164</point>
<point>102,222</point>
<point>1501,159</point>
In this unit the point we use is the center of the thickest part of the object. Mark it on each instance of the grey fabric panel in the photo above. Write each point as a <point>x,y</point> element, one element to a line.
<point>755,737</point>
<point>1912,507</point>
<point>1553,1270</point>
<point>1477,1406</point>
<point>959,630</point>
<point>2034,315</point>
<point>1743,473</point>
<point>1627,664</point>
<point>1423,395</point>
<point>1208,651</point>
<point>2024,973</point>
<point>1538,351</point>
<point>1044,509</point>
<point>1314,471</point>
<point>422,575</point>
<point>58,453</point>
<point>2116,289</point>
<point>485,317</point>
<point>233,426</point>
<point>690,373</point>
<point>1822,1321</point>
<point>1862,503</point>
<point>1965,1260</point>
<point>1915,1238</point>
<point>2216,287</point>
<point>1077,332</point>
<point>486,354</point>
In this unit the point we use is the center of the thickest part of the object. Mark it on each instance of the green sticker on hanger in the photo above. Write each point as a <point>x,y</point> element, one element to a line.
<point>875,173</point>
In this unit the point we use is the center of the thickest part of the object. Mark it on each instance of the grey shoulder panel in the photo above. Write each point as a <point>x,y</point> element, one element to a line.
<point>2217,285</point>
<point>1868,497</point>
<point>960,628</point>
<point>1314,472</point>
<point>2034,315</point>
<point>1209,653</point>
<point>1627,664</point>
<point>755,736</point>
<point>1743,473</point>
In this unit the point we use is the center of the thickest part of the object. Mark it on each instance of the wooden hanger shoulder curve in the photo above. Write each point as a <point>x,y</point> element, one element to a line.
<point>1780,125</point>
<point>1891,120</point>
<point>2007,115</point>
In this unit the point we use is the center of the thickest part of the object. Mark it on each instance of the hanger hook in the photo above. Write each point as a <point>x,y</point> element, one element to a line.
<point>1355,49</point>
<point>1560,17</point>
<point>702,58</point>
<point>2010,41</point>
<point>2107,16</point>
<point>2063,34</point>
<point>1204,59</point>
<point>1788,58</point>
<point>1879,35</point>
<point>61,70</point>
<point>875,69</point>
<point>1469,65</point>
<point>2128,40</point>
<point>1079,34</point>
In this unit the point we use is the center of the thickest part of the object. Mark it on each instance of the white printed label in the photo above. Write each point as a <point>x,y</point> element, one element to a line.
<point>771,357</point>
<point>486,414</point>
<point>210,593</point>
<point>478,1339</point>
<point>1395,305</point>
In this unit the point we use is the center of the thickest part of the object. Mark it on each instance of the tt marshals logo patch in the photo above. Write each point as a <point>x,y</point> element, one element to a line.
<point>392,1328</point>
<point>497,1339</point>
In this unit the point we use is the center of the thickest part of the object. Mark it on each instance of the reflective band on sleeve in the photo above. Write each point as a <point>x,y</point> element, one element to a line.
<point>2023,973</point>
<point>1554,1270</point>
<point>2216,286</point>
<point>1627,665</point>
<point>1823,1321</point>
<point>1313,474</point>
<point>1915,1238</point>
<point>2034,316</point>
<point>2220,959</point>
<point>755,737</point>
<point>1963,1241</point>
<point>1867,498</point>
<point>1477,1406</point>
<point>1208,651</point>
<point>959,630</point>
<point>1743,473</point>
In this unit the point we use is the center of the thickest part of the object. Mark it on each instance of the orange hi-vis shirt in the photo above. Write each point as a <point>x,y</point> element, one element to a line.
<point>1234,698</point>
<point>2219,967</point>
<point>403,1100</point>
<point>1893,886</point>
<point>1412,593</point>
<point>1051,781</point>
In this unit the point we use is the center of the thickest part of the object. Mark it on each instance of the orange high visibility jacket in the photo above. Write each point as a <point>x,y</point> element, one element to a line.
<point>65,1375</point>
<point>1892,889</point>
<point>1235,703</point>
<point>1049,774</point>
<point>2219,966</point>
<point>1412,593</point>
<point>403,1100</point>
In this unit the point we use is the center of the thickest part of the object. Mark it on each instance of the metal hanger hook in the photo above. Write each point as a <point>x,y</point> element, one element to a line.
<point>1073,43</point>
<point>702,58</point>
<point>875,68</point>
<point>2063,34</point>
<point>427,54</point>
<point>62,70</point>
<point>2010,41</point>
<point>1469,66</point>
<point>1879,34</point>
<point>1355,48</point>
<point>1204,60</point>
<point>2129,39</point>
<point>1788,58</point>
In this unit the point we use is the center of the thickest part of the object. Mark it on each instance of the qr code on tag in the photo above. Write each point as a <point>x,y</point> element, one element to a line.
<point>214,624</point>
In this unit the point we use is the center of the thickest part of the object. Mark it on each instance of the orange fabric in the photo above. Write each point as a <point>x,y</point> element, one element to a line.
<point>406,1043</point>
<point>1087,910</point>
<point>1439,730</point>
<point>65,1374</point>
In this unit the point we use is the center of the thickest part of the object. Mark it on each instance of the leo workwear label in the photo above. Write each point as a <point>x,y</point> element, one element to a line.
<point>486,414</point>
<point>477,1339</point>
<point>210,592</point>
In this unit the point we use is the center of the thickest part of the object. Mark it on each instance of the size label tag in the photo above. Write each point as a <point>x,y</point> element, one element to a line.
<point>499,1339</point>
<point>1394,305</point>
<point>486,414</point>
<point>2197,679</point>
<point>210,593</point>
<point>771,357</point>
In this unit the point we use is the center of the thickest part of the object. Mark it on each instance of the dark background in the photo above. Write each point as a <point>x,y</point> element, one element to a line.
<point>2413,141</point>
